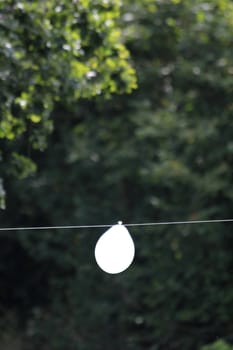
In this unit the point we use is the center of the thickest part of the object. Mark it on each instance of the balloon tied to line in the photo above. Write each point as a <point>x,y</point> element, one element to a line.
<point>114,251</point>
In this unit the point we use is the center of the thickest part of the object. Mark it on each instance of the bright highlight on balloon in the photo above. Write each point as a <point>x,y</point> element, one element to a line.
<point>114,251</point>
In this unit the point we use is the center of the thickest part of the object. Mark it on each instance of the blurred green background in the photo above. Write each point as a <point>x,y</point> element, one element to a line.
<point>112,111</point>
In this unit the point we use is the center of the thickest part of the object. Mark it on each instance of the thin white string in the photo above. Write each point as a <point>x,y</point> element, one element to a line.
<point>103,226</point>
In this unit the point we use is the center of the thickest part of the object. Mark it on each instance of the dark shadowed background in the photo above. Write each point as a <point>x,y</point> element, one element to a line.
<point>82,143</point>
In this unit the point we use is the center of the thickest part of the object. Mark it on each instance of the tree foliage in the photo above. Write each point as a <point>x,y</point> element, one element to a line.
<point>55,52</point>
<point>162,153</point>
<point>218,345</point>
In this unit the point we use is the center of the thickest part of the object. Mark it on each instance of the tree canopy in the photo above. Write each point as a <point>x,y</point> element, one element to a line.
<point>163,152</point>
<point>55,52</point>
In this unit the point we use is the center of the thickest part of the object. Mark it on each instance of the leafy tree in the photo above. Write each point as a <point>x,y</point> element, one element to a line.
<point>162,153</point>
<point>54,52</point>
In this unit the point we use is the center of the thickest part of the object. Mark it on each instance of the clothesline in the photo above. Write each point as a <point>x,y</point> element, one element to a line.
<point>159,223</point>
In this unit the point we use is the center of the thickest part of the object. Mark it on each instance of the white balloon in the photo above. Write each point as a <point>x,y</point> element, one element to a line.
<point>114,251</point>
